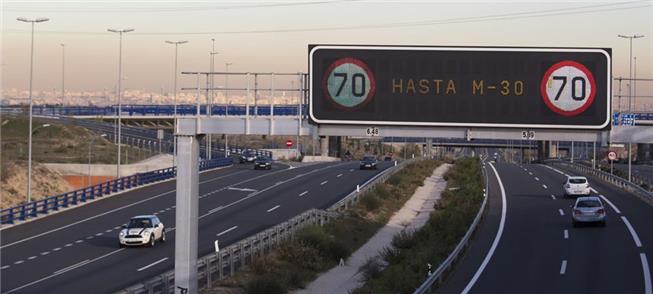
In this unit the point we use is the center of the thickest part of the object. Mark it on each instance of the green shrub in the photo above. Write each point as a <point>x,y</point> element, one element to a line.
<point>265,284</point>
<point>370,202</point>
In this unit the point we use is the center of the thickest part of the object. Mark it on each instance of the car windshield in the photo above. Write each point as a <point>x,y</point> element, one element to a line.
<point>577,181</point>
<point>588,203</point>
<point>139,223</point>
<point>368,158</point>
<point>262,158</point>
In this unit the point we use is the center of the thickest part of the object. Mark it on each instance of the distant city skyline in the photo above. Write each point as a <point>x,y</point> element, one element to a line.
<point>267,36</point>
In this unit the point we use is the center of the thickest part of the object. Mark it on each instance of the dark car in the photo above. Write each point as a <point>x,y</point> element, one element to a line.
<point>368,162</point>
<point>247,156</point>
<point>263,162</point>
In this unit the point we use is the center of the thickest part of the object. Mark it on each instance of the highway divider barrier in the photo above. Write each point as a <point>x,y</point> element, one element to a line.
<point>51,204</point>
<point>437,276</point>
<point>231,258</point>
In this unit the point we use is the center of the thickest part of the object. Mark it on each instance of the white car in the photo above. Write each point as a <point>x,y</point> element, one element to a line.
<point>142,230</point>
<point>575,186</point>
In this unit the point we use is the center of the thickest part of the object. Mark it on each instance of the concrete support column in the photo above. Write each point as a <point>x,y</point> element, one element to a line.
<point>186,218</point>
<point>644,152</point>
<point>429,147</point>
<point>324,146</point>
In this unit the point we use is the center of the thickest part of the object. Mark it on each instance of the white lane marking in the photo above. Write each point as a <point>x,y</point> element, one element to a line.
<point>108,231</point>
<point>68,245</point>
<point>56,249</point>
<point>253,194</point>
<point>555,169</point>
<point>19,262</point>
<point>98,234</point>
<point>632,232</point>
<point>241,189</point>
<point>303,193</point>
<point>537,179</point>
<point>553,197</point>
<point>32,257</point>
<point>273,208</point>
<point>45,253</point>
<point>74,266</point>
<point>530,173</point>
<point>323,183</point>
<point>4,267</point>
<point>117,227</point>
<point>108,212</point>
<point>562,213</point>
<point>593,190</point>
<point>168,208</point>
<point>227,231</point>
<point>89,237</point>
<point>60,272</point>
<point>152,264</point>
<point>563,267</point>
<point>155,213</point>
<point>215,209</point>
<point>79,241</point>
<point>351,170</point>
<point>174,206</point>
<point>339,175</point>
<point>611,205</point>
<point>566,234</point>
<point>544,186</point>
<point>162,211</point>
<point>497,238</point>
<point>648,289</point>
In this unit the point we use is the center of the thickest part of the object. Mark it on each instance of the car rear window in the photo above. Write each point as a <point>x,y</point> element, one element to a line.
<point>588,203</point>
<point>577,181</point>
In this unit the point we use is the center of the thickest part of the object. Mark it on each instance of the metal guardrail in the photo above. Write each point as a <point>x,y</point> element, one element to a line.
<point>235,256</point>
<point>50,204</point>
<point>622,183</point>
<point>437,276</point>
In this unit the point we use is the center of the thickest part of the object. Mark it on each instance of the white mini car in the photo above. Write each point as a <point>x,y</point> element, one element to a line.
<point>142,230</point>
<point>576,186</point>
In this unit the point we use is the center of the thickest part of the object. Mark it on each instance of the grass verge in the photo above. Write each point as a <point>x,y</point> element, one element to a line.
<point>316,249</point>
<point>411,251</point>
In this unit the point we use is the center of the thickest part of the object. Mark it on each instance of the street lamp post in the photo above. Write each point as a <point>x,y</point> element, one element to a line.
<point>90,146</point>
<point>119,32</point>
<point>174,148</point>
<point>29,162</point>
<point>209,98</point>
<point>630,96</point>
<point>63,73</point>
<point>226,105</point>
<point>31,74</point>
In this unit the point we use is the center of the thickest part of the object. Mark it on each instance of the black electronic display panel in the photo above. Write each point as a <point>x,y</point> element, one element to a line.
<point>460,86</point>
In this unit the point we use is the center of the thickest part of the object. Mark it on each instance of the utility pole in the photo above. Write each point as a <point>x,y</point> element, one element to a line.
<point>630,98</point>
<point>226,105</point>
<point>209,98</point>
<point>31,75</point>
<point>174,116</point>
<point>119,32</point>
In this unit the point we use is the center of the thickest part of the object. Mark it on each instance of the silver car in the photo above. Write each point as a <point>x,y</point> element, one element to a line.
<point>588,210</point>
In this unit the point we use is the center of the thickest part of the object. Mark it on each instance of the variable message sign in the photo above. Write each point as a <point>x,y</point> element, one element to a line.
<point>566,88</point>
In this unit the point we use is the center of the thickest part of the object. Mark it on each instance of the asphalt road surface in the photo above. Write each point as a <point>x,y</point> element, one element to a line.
<point>527,244</point>
<point>77,251</point>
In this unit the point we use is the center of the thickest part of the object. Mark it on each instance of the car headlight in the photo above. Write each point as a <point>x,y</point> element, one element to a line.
<point>122,233</point>
<point>145,232</point>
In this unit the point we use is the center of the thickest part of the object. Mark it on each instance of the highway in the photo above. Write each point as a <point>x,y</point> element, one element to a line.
<point>77,251</point>
<point>526,242</point>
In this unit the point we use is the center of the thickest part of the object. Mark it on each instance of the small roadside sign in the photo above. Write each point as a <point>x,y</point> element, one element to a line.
<point>288,143</point>
<point>612,156</point>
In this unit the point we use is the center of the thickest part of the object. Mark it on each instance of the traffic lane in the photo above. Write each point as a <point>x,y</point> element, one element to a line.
<point>481,241</point>
<point>529,252</point>
<point>125,262</point>
<point>99,245</point>
<point>599,259</point>
<point>107,203</point>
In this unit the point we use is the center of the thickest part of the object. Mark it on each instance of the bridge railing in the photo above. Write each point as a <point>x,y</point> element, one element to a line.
<point>235,256</point>
<point>162,110</point>
<point>51,204</point>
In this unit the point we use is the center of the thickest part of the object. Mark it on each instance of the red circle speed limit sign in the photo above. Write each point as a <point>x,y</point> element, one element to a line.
<point>568,88</point>
<point>349,83</point>
<point>612,155</point>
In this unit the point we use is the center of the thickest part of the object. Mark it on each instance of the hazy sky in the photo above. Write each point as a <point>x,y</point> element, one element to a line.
<point>273,35</point>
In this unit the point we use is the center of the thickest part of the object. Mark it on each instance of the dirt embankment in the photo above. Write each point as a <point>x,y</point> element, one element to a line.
<point>13,183</point>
